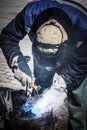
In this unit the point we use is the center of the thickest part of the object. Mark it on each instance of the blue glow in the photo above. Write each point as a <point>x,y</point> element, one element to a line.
<point>50,100</point>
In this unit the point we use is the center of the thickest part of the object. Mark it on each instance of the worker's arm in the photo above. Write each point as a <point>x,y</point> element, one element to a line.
<point>75,69</point>
<point>10,37</point>
<point>75,72</point>
<point>9,43</point>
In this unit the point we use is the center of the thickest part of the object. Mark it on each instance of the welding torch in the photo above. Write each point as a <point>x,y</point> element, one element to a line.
<point>34,86</point>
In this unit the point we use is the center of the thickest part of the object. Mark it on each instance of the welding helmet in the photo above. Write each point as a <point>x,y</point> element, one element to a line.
<point>49,32</point>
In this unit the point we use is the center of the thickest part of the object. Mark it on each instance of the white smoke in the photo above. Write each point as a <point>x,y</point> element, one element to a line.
<point>51,100</point>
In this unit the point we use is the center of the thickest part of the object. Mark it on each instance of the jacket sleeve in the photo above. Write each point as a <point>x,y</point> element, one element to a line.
<point>75,69</point>
<point>74,72</point>
<point>11,35</point>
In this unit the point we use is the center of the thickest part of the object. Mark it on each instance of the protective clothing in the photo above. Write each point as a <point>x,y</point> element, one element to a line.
<point>70,59</point>
<point>21,70</point>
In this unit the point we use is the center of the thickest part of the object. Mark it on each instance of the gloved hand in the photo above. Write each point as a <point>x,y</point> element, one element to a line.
<point>21,70</point>
<point>58,83</point>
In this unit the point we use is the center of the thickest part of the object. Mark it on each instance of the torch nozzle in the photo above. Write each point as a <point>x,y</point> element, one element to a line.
<point>36,88</point>
<point>33,85</point>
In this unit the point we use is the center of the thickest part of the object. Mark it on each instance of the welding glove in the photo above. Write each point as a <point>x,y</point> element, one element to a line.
<point>58,83</point>
<point>21,70</point>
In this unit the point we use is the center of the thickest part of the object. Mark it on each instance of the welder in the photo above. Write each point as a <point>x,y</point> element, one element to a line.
<point>58,31</point>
